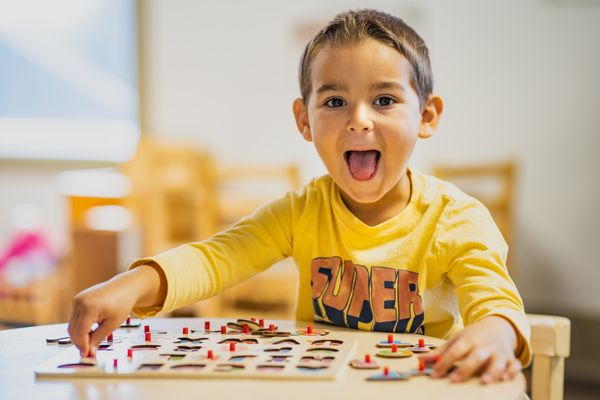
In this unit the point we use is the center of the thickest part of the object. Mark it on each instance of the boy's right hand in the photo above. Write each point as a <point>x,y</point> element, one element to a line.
<point>106,304</point>
<point>109,303</point>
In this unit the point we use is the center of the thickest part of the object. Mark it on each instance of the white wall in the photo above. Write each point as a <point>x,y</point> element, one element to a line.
<point>520,79</point>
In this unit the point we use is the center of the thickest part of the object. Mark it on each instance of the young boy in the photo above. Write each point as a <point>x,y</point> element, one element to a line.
<point>378,246</point>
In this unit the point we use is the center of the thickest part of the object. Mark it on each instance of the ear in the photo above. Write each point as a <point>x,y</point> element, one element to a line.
<point>430,116</point>
<point>301,115</point>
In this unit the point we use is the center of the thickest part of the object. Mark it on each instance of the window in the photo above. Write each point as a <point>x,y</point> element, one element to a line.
<point>68,79</point>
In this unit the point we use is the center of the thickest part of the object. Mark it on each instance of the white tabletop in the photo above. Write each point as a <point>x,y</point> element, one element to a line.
<point>22,350</point>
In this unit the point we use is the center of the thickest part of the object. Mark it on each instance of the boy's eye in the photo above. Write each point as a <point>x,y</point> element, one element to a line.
<point>334,102</point>
<point>384,101</point>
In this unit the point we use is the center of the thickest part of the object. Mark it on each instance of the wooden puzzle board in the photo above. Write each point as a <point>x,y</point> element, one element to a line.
<point>171,355</point>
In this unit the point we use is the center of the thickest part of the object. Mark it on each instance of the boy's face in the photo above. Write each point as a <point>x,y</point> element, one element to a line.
<point>364,118</point>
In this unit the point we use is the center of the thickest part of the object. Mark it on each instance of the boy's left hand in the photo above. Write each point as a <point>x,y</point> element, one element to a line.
<point>487,346</point>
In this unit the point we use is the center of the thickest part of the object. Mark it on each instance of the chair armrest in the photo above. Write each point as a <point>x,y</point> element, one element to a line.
<point>550,344</point>
<point>550,335</point>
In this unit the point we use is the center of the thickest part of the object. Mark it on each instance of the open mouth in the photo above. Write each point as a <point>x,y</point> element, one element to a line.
<point>362,164</point>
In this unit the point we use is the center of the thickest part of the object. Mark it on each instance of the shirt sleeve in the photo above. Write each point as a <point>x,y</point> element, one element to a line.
<point>199,270</point>
<point>476,264</point>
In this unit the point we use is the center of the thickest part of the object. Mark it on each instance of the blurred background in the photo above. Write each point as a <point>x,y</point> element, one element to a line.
<point>129,127</point>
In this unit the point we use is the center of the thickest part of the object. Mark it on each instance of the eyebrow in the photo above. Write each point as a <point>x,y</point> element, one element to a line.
<point>388,85</point>
<point>379,85</point>
<point>326,87</point>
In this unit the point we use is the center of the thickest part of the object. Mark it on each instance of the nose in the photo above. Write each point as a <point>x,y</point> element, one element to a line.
<point>359,120</point>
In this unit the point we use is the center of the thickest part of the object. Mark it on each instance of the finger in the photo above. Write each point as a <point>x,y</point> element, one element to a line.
<point>71,324</point>
<point>513,368</point>
<point>456,352</point>
<point>72,320</point>
<point>494,370</point>
<point>80,332</point>
<point>474,360</point>
<point>105,327</point>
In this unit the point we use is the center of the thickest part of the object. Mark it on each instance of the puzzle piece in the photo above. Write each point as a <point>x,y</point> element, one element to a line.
<point>327,342</point>
<point>271,334</point>
<point>418,349</point>
<point>61,341</point>
<point>129,323</point>
<point>310,331</point>
<point>388,375</point>
<point>287,341</point>
<point>366,363</point>
<point>425,369</point>
<point>189,339</point>
<point>389,353</point>
<point>110,339</point>
<point>422,347</point>
<point>384,344</point>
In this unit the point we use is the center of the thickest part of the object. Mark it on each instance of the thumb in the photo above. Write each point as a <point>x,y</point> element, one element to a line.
<point>105,327</point>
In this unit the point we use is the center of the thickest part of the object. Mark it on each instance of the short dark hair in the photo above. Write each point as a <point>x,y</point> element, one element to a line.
<point>354,26</point>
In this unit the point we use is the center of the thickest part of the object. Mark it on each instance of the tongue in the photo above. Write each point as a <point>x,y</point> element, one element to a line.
<point>362,164</point>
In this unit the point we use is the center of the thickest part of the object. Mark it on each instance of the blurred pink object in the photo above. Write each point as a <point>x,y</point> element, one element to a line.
<point>25,244</point>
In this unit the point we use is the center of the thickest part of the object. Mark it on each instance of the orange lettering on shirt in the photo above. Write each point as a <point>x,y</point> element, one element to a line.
<point>383,282</point>
<point>408,292</point>
<point>321,270</point>
<point>338,299</point>
<point>361,290</point>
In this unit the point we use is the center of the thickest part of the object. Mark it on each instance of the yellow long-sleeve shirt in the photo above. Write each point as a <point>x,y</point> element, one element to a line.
<point>436,266</point>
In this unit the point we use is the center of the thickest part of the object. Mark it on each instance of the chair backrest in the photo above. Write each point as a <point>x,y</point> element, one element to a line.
<point>240,189</point>
<point>172,193</point>
<point>243,188</point>
<point>494,185</point>
<point>551,344</point>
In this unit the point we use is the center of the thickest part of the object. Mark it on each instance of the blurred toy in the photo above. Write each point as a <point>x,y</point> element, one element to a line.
<point>28,255</point>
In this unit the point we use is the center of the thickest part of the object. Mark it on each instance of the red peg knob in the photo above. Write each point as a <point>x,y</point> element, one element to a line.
<point>246,329</point>
<point>421,342</point>
<point>390,338</point>
<point>207,325</point>
<point>386,371</point>
<point>231,346</point>
<point>130,353</point>
<point>394,348</point>
<point>223,329</point>
<point>272,327</point>
<point>186,330</point>
<point>146,328</point>
<point>309,329</point>
<point>368,358</point>
<point>261,323</point>
<point>148,337</point>
<point>210,355</point>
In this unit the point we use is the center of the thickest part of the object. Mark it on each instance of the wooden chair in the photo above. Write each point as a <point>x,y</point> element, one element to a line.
<point>494,185</point>
<point>243,188</point>
<point>172,193</point>
<point>39,302</point>
<point>240,189</point>
<point>169,197</point>
<point>551,344</point>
